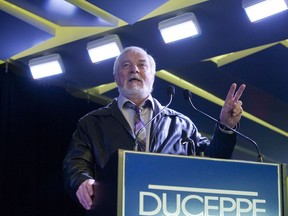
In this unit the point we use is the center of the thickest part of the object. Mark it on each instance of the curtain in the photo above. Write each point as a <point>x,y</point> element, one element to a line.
<point>36,123</point>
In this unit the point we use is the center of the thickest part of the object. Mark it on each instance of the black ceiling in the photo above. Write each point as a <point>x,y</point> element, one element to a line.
<point>252,53</point>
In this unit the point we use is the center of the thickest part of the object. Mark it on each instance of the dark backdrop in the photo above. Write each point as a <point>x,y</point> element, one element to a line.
<point>37,121</point>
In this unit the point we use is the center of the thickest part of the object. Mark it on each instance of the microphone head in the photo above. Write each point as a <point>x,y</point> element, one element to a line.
<point>187,94</point>
<point>171,91</point>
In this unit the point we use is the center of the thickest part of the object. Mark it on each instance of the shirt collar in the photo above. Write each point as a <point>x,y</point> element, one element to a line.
<point>122,100</point>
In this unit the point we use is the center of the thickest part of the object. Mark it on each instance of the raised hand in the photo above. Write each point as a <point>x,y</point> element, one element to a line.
<point>232,109</point>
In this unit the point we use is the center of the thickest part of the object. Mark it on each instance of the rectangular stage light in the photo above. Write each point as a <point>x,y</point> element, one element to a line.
<point>179,27</point>
<point>46,66</point>
<point>260,9</point>
<point>104,48</point>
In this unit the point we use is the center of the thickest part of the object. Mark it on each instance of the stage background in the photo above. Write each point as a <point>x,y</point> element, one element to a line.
<point>37,121</point>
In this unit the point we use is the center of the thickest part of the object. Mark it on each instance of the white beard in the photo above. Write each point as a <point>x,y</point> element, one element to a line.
<point>137,92</point>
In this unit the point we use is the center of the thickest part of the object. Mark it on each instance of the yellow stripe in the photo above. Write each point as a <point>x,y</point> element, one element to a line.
<point>165,75</point>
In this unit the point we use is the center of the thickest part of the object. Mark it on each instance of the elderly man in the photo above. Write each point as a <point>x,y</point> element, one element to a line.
<point>102,132</point>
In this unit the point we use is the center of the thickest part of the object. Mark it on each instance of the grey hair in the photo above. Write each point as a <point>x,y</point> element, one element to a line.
<point>135,49</point>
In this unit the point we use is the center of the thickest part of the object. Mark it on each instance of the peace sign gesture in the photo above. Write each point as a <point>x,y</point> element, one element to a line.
<point>232,109</point>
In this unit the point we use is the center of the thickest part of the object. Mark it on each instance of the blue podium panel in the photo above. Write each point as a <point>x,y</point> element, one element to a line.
<point>156,184</point>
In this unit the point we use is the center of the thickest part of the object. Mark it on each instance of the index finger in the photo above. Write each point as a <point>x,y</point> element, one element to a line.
<point>239,92</point>
<point>231,92</point>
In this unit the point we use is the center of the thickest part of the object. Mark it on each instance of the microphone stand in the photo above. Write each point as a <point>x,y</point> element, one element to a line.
<point>187,95</point>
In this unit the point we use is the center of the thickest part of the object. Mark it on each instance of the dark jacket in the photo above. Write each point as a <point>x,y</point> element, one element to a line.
<point>102,132</point>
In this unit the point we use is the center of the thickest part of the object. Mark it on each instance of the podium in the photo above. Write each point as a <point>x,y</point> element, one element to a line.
<point>137,183</point>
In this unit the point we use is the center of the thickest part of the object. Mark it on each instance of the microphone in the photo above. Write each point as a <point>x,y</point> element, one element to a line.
<point>188,95</point>
<point>171,93</point>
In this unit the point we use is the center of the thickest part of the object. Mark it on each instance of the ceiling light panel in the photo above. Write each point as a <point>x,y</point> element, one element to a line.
<point>180,27</point>
<point>46,66</point>
<point>104,48</point>
<point>259,9</point>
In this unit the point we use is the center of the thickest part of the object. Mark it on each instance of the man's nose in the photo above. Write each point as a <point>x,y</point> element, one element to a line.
<point>134,68</point>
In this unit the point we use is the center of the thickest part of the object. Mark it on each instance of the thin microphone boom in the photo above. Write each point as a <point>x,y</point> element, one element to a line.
<point>188,95</point>
<point>171,93</point>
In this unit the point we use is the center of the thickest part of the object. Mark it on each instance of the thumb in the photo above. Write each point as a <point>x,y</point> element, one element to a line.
<point>90,188</point>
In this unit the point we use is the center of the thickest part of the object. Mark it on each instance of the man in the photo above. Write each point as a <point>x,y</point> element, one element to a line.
<point>104,131</point>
